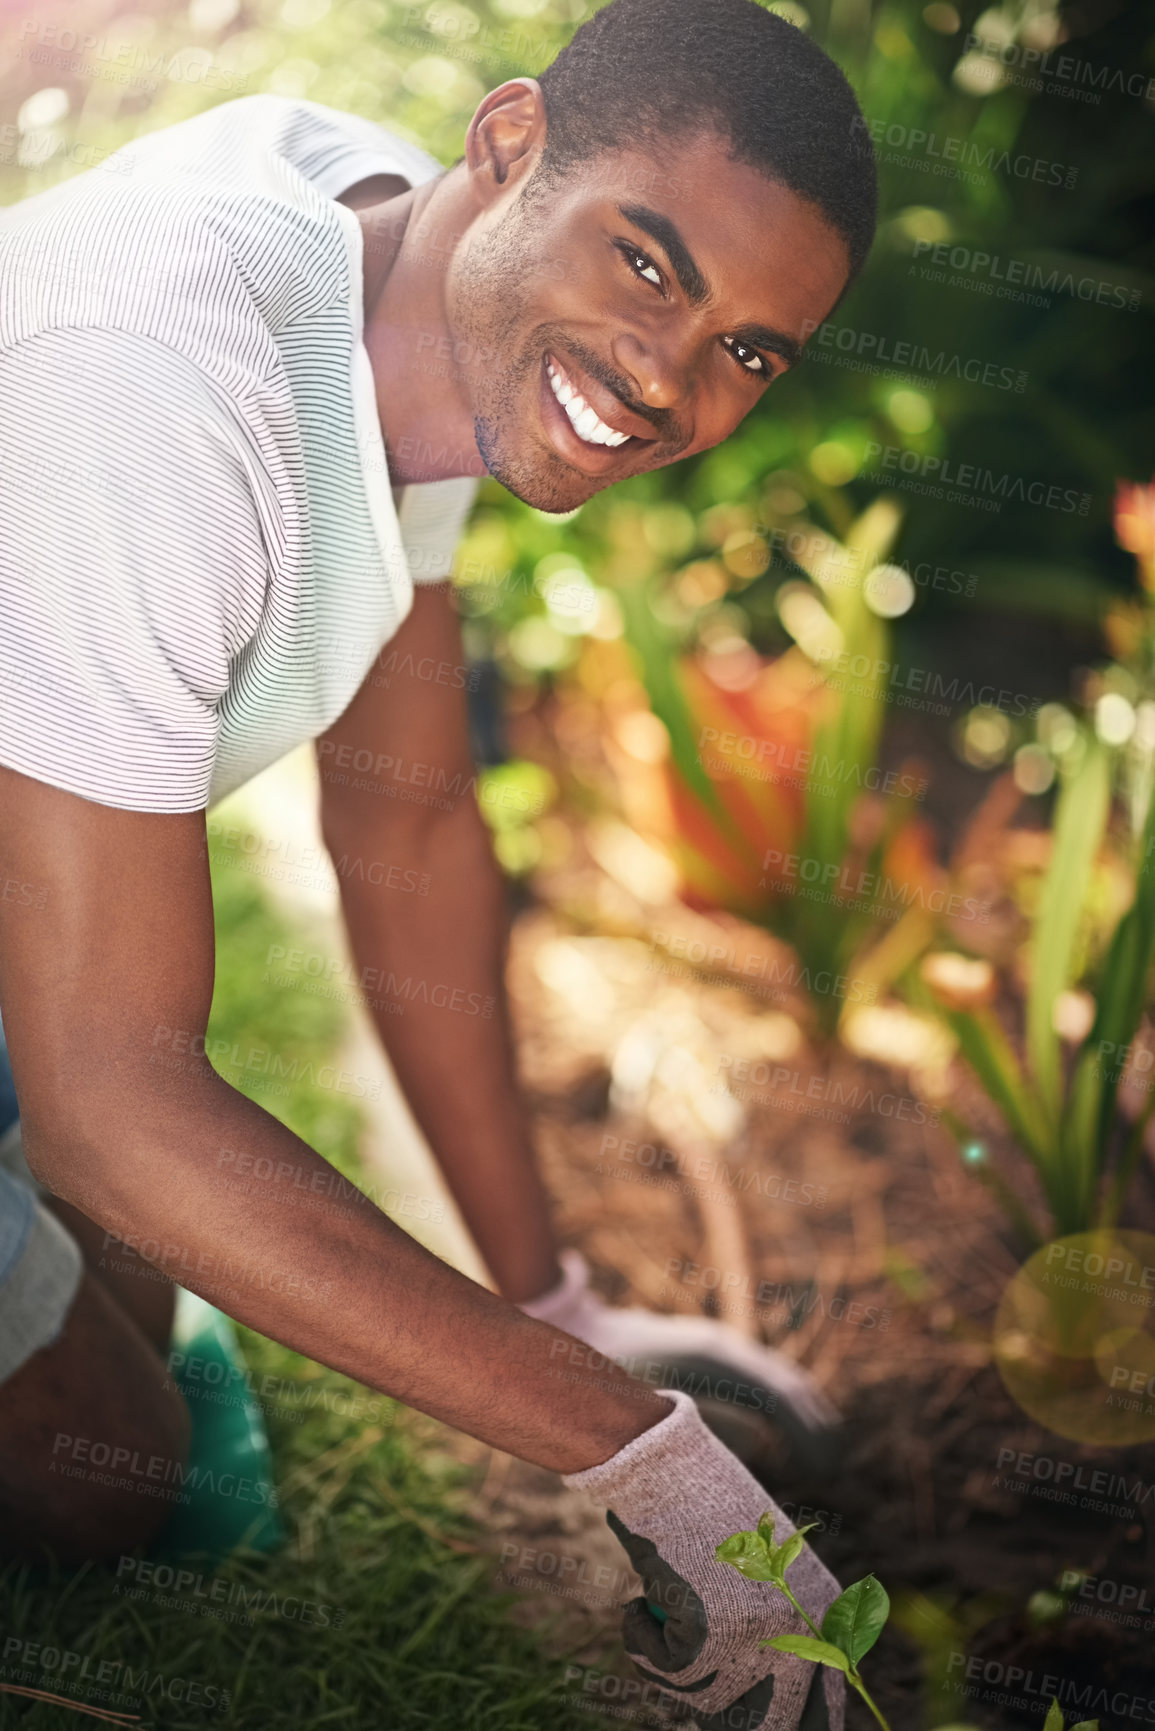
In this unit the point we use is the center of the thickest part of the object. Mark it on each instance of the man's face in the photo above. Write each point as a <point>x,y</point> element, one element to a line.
<point>666,287</point>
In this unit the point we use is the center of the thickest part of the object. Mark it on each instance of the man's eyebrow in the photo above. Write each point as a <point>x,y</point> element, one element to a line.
<point>690,279</point>
<point>766,337</point>
<point>694,285</point>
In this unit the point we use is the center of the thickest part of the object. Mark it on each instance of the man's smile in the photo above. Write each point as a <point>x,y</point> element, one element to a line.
<point>586,423</point>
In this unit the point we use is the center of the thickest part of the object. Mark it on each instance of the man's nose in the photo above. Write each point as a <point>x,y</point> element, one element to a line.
<point>660,372</point>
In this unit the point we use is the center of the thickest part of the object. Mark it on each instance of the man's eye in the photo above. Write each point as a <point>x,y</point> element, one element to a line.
<point>746,356</point>
<point>643,266</point>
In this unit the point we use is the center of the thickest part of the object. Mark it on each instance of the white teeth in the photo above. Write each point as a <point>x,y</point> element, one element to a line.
<point>585,422</point>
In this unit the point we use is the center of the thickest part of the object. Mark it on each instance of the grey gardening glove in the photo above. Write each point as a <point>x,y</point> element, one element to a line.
<point>673,1494</point>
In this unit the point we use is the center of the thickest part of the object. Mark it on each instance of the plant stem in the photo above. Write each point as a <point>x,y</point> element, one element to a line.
<point>852,1676</point>
<point>813,1627</point>
<point>856,1681</point>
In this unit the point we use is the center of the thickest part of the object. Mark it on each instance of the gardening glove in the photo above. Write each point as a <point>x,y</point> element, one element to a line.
<point>673,1494</point>
<point>696,1353</point>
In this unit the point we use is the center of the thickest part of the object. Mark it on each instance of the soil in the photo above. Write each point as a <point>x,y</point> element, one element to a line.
<point>860,1246</point>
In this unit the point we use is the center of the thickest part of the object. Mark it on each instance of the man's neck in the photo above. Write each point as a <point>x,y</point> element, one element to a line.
<point>407,241</point>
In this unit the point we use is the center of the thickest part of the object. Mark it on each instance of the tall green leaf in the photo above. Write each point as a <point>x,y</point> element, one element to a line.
<point>991,1056</point>
<point>657,654</point>
<point>1121,999</point>
<point>1080,819</point>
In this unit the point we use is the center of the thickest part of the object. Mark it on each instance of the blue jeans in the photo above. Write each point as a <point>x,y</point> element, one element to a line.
<point>40,1263</point>
<point>9,1111</point>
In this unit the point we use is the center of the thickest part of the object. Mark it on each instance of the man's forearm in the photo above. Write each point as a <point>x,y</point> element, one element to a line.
<point>207,1186</point>
<point>439,960</point>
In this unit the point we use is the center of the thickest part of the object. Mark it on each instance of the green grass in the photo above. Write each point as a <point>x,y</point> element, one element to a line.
<point>402,1629</point>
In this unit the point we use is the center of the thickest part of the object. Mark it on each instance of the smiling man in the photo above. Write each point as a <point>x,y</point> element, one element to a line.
<point>234,468</point>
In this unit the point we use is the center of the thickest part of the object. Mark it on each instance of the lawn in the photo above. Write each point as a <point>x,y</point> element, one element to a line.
<point>378,1610</point>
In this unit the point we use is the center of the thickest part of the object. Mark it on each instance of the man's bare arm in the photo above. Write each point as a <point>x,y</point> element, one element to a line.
<point>451,1044</point>
<point>106,941</point>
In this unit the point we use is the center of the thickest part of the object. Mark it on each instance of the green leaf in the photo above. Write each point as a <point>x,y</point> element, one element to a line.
<point>1121,995</point>
<point>657,655</point>
<point>856,1618</point>
<point>806,1647</point>
<point>789,1552</point>
<point>1086,1725</point>
<point>1080,818</point>
<point>1054,1719</point>
<point>747,1552</point>
<point>991,1056</point>
<point>766,1529</point>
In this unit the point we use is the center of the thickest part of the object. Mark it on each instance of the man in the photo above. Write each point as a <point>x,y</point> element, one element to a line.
<point>227,483</point>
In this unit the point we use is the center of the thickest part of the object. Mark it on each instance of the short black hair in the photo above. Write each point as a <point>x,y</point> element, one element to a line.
<point>642,69</point>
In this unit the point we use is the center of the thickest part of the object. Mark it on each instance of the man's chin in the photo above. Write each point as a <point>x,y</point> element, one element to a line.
<point>545,485</point>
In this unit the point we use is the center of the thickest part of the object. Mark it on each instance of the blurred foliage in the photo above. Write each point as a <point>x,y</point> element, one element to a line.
<point>1063,1108</point>
<point>959,130</point>
<point>775,810</point>
<point>1003,325</point>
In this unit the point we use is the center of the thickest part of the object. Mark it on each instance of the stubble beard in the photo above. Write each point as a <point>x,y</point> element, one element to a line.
<point>492,313</point>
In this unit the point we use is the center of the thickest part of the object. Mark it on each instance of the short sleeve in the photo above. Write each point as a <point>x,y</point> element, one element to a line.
<point>431,516</point>
<point>132,567</point>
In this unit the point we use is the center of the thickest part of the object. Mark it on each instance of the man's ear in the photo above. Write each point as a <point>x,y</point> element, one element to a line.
<point>506,138</point>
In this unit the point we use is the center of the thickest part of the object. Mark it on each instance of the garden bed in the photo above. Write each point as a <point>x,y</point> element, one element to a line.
<point>875,1259</point>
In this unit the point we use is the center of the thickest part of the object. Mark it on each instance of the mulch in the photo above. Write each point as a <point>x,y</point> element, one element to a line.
<point>859,1245</point>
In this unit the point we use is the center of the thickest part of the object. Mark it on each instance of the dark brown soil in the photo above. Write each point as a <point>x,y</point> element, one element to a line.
<point>883,1279</point>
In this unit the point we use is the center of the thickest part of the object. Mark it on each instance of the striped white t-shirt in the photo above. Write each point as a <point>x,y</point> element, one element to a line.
<point>201,554</point>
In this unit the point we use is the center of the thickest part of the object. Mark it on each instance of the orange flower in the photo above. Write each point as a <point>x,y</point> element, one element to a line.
<point>1135,525</point>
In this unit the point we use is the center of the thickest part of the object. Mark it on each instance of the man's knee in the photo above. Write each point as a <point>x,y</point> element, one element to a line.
<point>94,1438</point>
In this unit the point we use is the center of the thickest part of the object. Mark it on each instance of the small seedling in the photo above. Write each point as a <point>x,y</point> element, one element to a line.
<point>1054,1720</point>
<point>852,1624</point>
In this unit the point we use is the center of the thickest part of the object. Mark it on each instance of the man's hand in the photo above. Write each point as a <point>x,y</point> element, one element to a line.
<point>106,971</point>
<point>674,1494</point>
